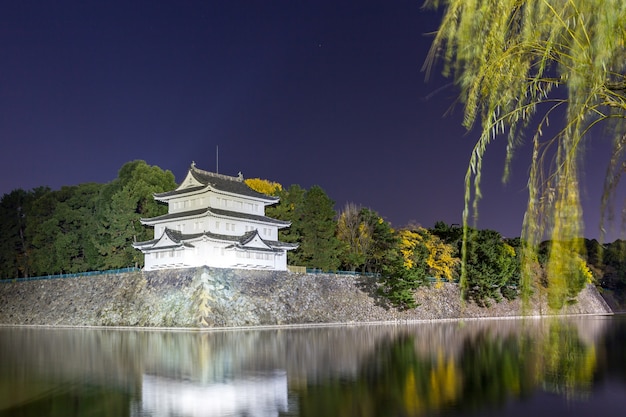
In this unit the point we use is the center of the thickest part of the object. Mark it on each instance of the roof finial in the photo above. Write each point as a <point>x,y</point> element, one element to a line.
<point>240,176</point>
<point>193,164</point>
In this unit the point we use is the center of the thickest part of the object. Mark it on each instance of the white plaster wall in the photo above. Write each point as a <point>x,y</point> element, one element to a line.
<point>236,227</point>
<point>238,204</point>
<point>215,255</point>
<point>164,259</point>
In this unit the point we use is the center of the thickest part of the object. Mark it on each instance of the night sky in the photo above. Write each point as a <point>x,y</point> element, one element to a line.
<point>327,93</point>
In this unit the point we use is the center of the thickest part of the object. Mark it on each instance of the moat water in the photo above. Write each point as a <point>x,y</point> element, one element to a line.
<point>547,367</point>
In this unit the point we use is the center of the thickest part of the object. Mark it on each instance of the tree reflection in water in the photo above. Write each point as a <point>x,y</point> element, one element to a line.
<point>489,370</point>
<point>471,368</point>
<point>567,365</point>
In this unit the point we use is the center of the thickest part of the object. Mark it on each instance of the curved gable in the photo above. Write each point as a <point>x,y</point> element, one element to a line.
<point>253,240</point>
<point>190,181</point>
<point>167,240</point>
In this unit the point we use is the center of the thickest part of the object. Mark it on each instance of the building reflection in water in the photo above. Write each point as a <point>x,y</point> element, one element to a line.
<point>257,396</point>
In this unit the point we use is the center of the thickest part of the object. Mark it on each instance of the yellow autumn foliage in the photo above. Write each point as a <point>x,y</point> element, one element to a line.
<point>440,260</point>
<point>408,242</point>
<point>584,269</point>
<point>263,186</point>
<point>414,404</point>
<point>443,386</point>
<point>445,382</point>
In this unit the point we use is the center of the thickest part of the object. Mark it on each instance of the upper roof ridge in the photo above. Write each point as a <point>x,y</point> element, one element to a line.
<point>239,177</point>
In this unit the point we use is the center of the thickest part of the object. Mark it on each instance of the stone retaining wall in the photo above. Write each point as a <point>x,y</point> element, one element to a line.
<point>206,297</point>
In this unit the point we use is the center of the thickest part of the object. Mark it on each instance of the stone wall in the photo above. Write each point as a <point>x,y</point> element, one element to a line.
<point>206,297</point>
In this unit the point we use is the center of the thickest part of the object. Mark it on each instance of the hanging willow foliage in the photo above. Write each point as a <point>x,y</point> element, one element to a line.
<point>517,63</point>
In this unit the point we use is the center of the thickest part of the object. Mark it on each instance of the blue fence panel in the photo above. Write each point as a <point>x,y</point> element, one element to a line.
<point>73,275</point>
<point>133,269</point>
<point>354,273</point>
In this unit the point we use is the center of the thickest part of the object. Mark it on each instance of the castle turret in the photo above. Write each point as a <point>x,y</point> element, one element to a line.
<point>215,220</point>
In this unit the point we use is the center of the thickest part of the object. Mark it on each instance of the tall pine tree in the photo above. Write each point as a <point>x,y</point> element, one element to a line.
<point>319,246</point>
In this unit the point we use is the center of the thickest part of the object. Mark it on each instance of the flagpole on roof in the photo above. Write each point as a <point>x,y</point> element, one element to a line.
<point>217,159</point>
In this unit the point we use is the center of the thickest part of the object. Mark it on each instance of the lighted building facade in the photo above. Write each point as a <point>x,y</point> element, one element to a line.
<point>215,220</point>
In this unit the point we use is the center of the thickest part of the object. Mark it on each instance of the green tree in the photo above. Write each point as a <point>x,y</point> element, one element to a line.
<point>492,266</point>
<point>12,244</point>
<point>569,275</point>
<point>416,256</point>
<point>61,230</point>
<point>288,209</point>
<point>366,239</point>
<point>355,237</point>
<point>15,247</point>
<point>319,246</point>
<point>124,202</point>
<point>76,219</point>
<point>520,63</point>
<point>404,271</point>
<point>451,234</point>
<point>80,228</point>
<point>384,241</point>
<point>42,231</point>
<point>614,260</point>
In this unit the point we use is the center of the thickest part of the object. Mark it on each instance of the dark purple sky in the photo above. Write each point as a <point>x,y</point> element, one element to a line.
<point>320,92</point>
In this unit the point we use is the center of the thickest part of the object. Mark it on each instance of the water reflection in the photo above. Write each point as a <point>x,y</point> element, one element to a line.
<point>257,396</point>
<point>406,370</point>
<point>568,365</point>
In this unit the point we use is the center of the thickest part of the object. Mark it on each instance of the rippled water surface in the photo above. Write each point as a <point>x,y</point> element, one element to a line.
<point>573,367</point>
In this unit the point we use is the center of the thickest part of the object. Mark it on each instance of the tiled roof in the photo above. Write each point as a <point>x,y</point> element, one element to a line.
<point>175,192</point>
<point>248,236</point>
<point>218,212</point>
<point>182,238</point>
<point>147,243</point>
<point>281,245</point>
<point>220,182</point>
<point>248,216</point>
<point>179,215</point>
<point>173,235</point>
<point>226,183</point>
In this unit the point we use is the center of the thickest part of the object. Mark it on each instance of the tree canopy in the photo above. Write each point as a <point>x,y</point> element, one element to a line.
<point>80,228</point>
<point>319,247</point>
<point>520,64</point>
<point>125,201</point>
